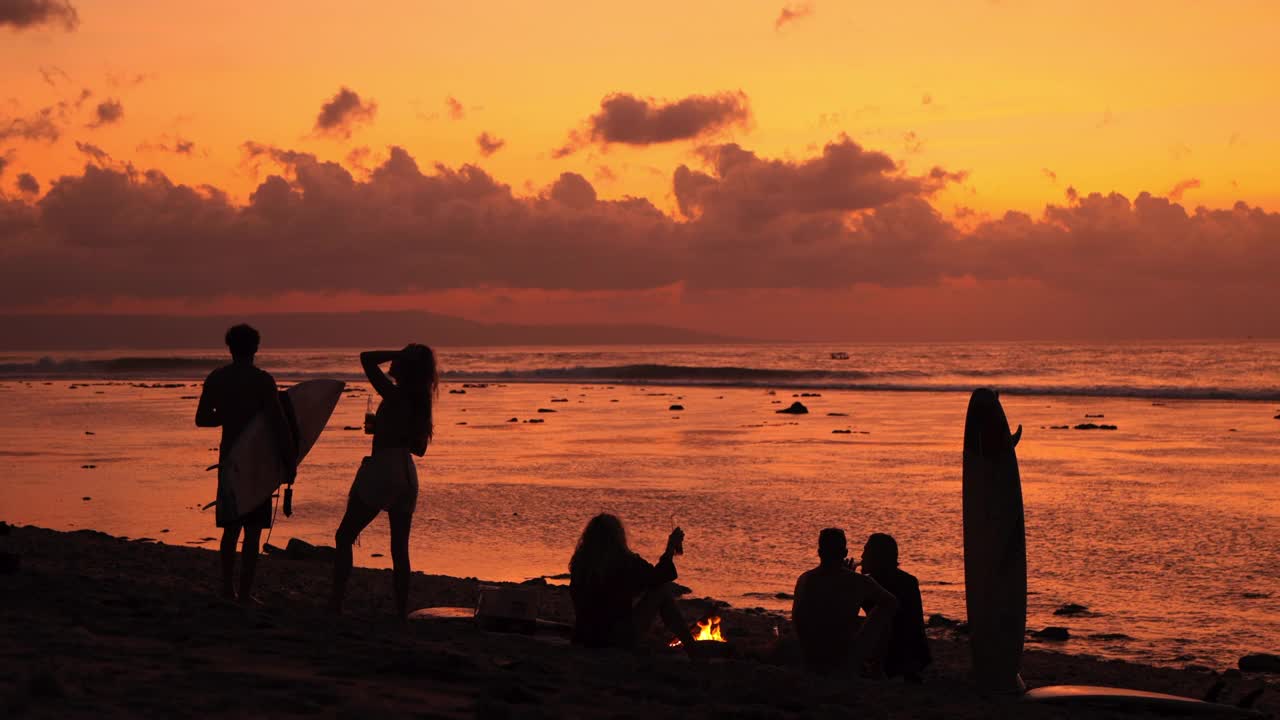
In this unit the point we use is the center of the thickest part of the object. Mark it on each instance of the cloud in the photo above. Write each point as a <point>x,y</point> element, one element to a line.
<point>489,144</point>
<point>1175,193</point>
<point>912,143</point>
<point>175,145</point>
<point>845,223</point>
<point>1053,176</point>
<point>108,112</point>
<point>97,154</point>
<point>926,99</point>
<point>629,120</point>
<point>4,162</point>
<point>41,126</point>
<point>24,14</point>
<point>343,112</point>
<point>792,13</point>
<point>28,184</point>
<point>454,108</point>
<point>54,75</point>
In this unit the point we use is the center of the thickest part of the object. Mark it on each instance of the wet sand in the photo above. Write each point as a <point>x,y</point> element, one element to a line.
<point>96,626</point>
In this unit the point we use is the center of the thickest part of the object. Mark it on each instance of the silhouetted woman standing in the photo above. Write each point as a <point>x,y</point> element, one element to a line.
<point>387,479</point>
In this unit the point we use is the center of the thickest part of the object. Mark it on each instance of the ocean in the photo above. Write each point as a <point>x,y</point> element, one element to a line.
<point>1166,528</point>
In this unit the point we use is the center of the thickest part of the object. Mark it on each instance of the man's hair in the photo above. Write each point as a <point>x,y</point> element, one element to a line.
<point>884,545</point>
<point>832,544</point>
<point>242,340</point>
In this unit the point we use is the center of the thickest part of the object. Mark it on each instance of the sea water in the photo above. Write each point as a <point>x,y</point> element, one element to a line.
<point>1167,528</point>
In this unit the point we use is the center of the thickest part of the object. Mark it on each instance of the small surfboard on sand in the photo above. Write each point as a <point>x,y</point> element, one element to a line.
<point>1123,699</point>
<point>995,545</point>
<point>253,467</point>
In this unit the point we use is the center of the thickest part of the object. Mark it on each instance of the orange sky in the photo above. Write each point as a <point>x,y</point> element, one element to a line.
<point>1026,98</point>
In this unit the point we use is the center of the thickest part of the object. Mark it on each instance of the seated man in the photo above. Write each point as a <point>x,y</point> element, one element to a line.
<point>616,593</point>
<point>825,610</point>
<point>907,650</point>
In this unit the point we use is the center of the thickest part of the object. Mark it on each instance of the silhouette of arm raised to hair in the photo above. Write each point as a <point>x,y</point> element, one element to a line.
<point>207,411</point>
<point>370,360</point>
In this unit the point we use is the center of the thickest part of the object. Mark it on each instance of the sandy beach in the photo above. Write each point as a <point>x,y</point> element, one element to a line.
<point>97,626</point>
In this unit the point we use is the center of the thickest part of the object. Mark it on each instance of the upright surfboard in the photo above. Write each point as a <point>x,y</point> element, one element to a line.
<point>253,469</point>
<point>995,545</point>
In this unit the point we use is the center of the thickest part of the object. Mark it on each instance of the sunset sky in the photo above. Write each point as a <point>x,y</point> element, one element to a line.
<point>822,170</point>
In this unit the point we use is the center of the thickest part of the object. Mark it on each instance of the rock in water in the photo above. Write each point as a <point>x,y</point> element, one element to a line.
<point>1052,632</point>
<point>676,407</point>
<point>1260,663</point>
<point>796,408</point>
<point>1071,609</point>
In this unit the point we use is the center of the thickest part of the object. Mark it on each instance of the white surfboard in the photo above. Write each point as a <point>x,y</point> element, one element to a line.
<point>1133,700</point>
<point>253,468</point>
<point>995,545</point>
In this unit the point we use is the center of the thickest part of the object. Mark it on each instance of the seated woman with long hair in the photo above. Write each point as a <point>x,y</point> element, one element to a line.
<point>387,478</point>
<point>616,593</point>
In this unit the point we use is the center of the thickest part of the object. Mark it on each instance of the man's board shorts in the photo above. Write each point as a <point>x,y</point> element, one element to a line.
<point>387,480</point>
<point>227,512</point>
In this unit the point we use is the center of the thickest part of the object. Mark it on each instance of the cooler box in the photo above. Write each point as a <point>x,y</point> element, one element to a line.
<point>508,609</point>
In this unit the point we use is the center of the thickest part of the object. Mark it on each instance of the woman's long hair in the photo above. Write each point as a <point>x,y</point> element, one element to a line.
<point>417,376</point>
<point>601,550</point>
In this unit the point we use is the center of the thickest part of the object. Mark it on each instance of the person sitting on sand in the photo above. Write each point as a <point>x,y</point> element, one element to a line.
<point>232,396</point>
<point>906,650</point>
<point>387,478</point>
<point>616,593</point>
<point>825,610</point>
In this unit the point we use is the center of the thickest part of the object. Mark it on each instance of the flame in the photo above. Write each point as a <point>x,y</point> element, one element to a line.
<point>707,630</point>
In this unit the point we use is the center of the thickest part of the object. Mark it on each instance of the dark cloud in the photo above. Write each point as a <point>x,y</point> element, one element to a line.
<point>454,108</point>
<point>23,14</point>
<point>629,120</point>
<point>792,13</point>
<point>1053,176</point>
<point>1175,193</point>
<point>4,162</point>
<point>43,125</point>
<point>489,144</point>
<point>28,184</point>
<point>343,112</point>
<point>176,145</point>
<point>108,112</point>
<point>846,217</point>
<point>97,154</point>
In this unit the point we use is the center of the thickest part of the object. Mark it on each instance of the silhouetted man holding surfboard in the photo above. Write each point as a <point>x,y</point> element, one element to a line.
<point>232,396</point>
<point>825,610</point>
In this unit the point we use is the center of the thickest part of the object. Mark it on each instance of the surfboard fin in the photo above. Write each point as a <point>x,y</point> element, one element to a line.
<point>1017,435</point>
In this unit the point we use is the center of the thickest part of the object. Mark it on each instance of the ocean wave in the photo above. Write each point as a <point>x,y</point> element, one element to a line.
<point>164,366</point>
<point>849,380</point>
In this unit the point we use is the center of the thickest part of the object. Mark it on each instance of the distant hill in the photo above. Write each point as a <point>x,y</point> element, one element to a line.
<point>295,330</point>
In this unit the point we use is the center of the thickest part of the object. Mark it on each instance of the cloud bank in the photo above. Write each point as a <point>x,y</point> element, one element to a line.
<point>844,220</point>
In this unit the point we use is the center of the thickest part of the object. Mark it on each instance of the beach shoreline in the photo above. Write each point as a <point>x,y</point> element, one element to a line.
<point>106,627</point>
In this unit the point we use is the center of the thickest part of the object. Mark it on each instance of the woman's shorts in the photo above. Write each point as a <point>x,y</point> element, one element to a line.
<point>387,480</point>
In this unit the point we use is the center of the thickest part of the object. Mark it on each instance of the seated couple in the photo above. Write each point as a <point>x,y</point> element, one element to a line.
<point>889,641</point>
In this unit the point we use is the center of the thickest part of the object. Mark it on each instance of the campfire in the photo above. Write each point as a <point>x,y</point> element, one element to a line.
<point>707,630</point>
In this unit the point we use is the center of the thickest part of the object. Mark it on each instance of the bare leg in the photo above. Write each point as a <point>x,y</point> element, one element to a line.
<point>400,523</point>
<point>248,562</point>
<point>227,553</point>
<point>356,519</point>
<point>661,603</point>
